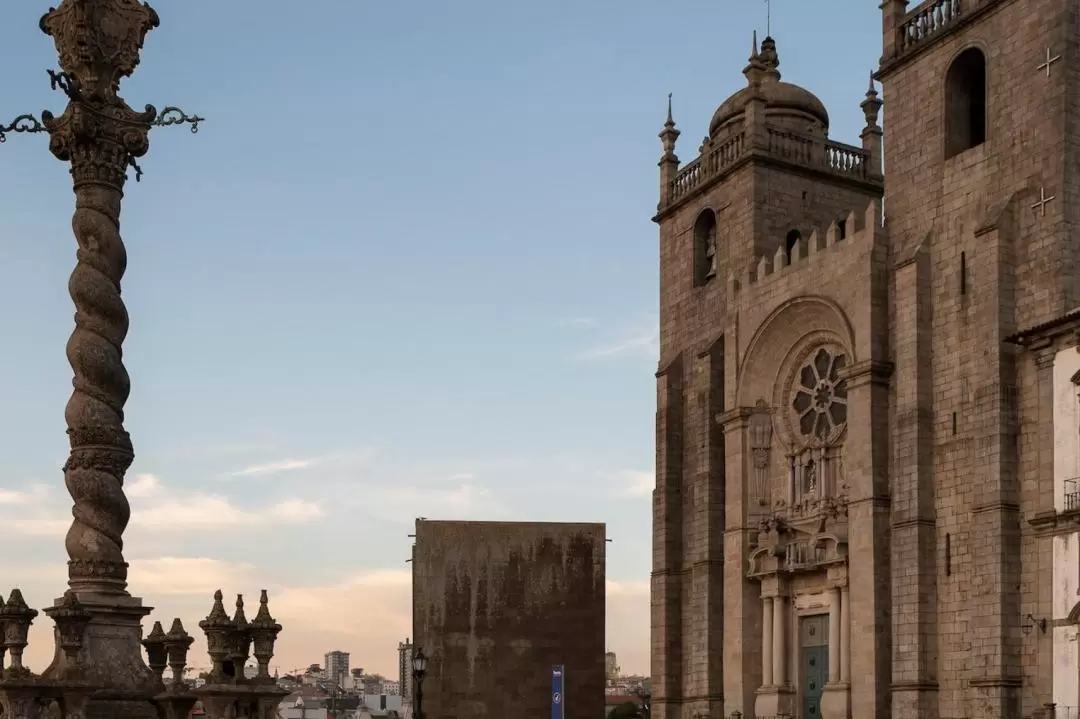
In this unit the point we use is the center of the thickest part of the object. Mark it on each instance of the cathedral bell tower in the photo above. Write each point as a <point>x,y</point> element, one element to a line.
<point>770,520</point>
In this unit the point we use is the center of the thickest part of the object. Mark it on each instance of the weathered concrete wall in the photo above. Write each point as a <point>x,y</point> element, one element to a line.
<point>496,605</point>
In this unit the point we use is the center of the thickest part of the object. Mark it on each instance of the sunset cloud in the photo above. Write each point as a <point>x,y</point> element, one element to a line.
<point>157,505</point>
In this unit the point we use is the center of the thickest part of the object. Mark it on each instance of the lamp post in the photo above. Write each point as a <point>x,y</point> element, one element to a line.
<point>98,44</point>
<point>419,669</point>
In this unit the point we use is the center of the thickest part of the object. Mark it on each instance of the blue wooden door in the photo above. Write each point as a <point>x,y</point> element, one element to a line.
<point>813,664</point>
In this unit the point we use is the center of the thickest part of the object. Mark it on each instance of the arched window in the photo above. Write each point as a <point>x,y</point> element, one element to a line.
<point>789,244</point>
<point>704,248</point>
<point>965,102</point>
<point>841,228</point>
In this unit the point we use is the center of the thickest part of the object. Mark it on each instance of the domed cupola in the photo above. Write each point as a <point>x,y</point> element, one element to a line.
<point>787,106</point>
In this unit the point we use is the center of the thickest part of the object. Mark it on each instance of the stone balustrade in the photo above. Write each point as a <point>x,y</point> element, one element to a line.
<point>803,554</point>
<point>825,155</point>
<point>927,19</point>
<point>63,690</point>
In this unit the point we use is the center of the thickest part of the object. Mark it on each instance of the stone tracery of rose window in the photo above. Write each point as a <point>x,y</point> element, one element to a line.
<point>819,396</point>
<point>818,418</point>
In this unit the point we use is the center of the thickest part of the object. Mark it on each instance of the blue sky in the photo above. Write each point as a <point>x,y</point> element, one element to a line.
<point>405,269</point>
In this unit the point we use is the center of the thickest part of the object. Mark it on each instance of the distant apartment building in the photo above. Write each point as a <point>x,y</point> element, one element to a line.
<point>336,665</point>
<point>611,667</point>
<point>405,653</point>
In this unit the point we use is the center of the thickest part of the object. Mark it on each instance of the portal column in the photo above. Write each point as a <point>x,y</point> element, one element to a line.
<point>767,642</point>
<point>845,635</point>
<point>836,699</point>
<point>835,618</point>
<point>779,650</point>
<point>775,697</point>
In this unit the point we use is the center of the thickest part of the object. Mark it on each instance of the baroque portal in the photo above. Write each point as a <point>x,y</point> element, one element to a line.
<point>800,558</point>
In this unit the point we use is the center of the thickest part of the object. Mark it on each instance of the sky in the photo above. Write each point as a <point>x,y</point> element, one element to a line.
<point>404,269</point>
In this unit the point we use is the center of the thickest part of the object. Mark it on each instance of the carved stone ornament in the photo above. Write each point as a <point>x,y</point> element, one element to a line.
<point>99,41</point>
<point>817,394</point>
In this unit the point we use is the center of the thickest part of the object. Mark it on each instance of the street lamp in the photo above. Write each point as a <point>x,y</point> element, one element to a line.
<point>419,669</point>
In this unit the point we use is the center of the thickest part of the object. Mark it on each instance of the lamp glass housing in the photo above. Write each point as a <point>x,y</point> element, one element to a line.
<point>419,662</point>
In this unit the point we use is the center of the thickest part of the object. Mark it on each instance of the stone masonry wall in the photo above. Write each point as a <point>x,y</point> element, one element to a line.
<point>994,266</point>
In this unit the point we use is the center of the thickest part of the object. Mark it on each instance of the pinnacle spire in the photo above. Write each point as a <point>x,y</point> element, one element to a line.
<point>669,134</point>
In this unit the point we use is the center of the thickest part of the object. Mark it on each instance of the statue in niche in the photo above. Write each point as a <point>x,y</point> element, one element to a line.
<point>761,449</point>
<point>810,479</point>
<point>710,251</point>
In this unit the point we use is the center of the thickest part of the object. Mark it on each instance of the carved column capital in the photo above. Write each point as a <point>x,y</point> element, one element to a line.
<point>1044,357</point>
<point>735,419</point>
<point>867,372</point>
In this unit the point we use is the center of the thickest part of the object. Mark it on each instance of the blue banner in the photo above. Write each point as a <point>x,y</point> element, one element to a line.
<point>558,697</point>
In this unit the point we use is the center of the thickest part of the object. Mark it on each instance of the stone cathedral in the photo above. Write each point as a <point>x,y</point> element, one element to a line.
<point>868,396</point>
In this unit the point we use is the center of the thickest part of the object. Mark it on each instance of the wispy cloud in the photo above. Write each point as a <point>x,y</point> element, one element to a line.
<point>636,483</point>
<point>144,485</point>
<point>335,461</point>
<point>639,340</point>
<point>155,505</point>
<point>41,526</point>
<point>405,502</point>
<point>208,511</point>
<point>281,465</point>
<point>22,497</point>
<point>196,576</point>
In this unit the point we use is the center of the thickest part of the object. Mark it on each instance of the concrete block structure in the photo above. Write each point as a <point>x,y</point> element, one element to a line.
<point>497,605</point>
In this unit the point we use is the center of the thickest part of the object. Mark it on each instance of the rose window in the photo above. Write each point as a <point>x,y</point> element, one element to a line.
<point>820,396</point>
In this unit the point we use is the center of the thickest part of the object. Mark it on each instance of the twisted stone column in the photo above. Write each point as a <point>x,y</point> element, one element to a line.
<point>101,450</point>
<point>98,42</point>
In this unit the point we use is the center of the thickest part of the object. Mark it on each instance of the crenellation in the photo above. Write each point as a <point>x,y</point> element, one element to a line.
<point>859,235</point>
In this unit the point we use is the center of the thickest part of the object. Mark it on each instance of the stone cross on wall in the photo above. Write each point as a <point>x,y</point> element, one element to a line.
<point>1048,62</point>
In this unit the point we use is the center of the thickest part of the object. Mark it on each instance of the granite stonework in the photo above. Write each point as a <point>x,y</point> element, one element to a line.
<point>496,605</point>
<point>856,502</point>
<point>99,669</point>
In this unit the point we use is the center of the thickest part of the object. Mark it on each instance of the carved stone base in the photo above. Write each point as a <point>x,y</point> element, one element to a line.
<point>836,701</point>
<point>112,657</point>
<point>775,702</point>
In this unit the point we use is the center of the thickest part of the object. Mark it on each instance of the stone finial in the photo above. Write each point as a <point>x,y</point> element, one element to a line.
<point>241,639</point>
<point>755,69</point>
<point>71,619</point>
<point>217,627</point>
<point>770,59</point>
<point>871,104</point>
<point>239,619</point>
<point>177,644</point>
<point>669,134</point>
<point>156,654</point>
<point>16,618</point>
<point>264,631</point>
